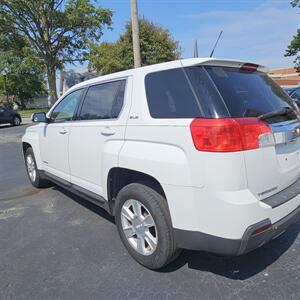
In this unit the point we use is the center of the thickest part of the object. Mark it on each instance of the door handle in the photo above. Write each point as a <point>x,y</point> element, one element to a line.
<point>63,131</point>
<point>107,131</point>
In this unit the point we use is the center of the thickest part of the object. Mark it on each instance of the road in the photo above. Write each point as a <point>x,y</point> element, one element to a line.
<point>54,245</point>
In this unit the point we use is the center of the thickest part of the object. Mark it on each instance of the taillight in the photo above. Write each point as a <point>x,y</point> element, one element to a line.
<point>227,135</point>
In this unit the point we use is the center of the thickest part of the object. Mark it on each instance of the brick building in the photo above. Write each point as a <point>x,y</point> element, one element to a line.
<point>286,77</point>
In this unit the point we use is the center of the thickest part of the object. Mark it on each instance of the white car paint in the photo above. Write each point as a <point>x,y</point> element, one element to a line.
<point>213,193</point>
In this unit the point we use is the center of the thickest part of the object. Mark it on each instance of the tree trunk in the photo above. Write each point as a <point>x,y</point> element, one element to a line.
<point>52,85</point>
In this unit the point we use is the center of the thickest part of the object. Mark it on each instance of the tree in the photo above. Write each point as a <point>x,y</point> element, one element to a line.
<point>24,74</point>
<point>293,48</point>
<point>59,31</point>
<point>156,43</point>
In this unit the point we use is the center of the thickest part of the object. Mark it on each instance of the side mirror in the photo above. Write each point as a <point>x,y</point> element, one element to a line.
<point>39,117</point>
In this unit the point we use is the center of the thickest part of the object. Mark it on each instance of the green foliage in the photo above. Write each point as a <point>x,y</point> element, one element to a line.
<point>22,74</point>
<point>26,113</point>
<point>295,3</point>
<point>293,48</point>
<point>59,31</point>
<point>156,45</point>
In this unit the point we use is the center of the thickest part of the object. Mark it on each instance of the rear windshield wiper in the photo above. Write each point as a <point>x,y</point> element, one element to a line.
<point>279,112</point>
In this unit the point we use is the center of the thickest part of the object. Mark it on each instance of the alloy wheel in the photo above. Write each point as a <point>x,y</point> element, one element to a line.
<point>31,167</point>
<point>139,227</point>
<point>16,121</point>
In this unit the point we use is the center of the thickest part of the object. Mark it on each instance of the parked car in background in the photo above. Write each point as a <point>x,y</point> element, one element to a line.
<point>8,116</point>
<point>294,93</point>
<point>200,153</point>
<point>289,90</point>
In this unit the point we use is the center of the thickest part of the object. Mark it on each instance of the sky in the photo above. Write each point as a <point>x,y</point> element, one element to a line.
<point>253,30</point>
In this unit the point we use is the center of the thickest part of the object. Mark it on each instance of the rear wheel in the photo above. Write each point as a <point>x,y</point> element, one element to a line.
<point>16,121</point>
<point>33,173</point>
<point>144,225</point>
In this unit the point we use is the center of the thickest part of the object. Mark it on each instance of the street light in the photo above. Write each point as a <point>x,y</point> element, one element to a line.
<point>4,73</point>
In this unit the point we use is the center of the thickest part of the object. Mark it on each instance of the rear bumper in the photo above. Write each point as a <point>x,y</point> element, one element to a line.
<point>195,240</point>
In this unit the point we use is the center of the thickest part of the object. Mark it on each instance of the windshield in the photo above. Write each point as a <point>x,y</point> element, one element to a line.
<point>249,94</point>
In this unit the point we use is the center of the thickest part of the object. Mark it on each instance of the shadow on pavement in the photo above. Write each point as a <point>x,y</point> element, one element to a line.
<point>239,267</point>
<point>3,126</point>
<point>85,203</point>
<point>6,126</point>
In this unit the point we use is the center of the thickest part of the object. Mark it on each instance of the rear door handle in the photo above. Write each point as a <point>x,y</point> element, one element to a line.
<point>63,131</point>
<point>107,131</point>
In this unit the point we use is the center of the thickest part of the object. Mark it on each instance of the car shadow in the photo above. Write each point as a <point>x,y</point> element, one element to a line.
<point>85,203</point>
<point>239,267</point>
<point>3,126</point>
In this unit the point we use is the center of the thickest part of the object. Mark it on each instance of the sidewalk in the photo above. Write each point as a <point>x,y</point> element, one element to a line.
<point>26,121</point>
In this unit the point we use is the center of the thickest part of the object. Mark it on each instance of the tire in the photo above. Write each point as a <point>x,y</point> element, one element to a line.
<point>34,175</point>
<point>16,121</point>
<point>158,248</point>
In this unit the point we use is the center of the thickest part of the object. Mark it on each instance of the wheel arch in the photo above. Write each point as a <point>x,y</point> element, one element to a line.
<point>25,146</point>
<point>31,139</point>
<point>119,177</point>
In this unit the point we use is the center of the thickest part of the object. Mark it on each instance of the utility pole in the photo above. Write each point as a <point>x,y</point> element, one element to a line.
<point>135,34</point>
<point>62,81</point>
<point>4,73</point>
<point>196,54</point>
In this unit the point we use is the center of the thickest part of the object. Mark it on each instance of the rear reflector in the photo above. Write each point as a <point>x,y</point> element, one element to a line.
<point>261,229</point>
<point>227,135</point>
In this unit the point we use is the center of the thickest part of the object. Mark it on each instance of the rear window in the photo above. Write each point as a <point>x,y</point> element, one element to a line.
<point>248,94</point>
<point>213,92</point>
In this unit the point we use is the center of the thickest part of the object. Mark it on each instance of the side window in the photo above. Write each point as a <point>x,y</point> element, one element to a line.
<point>103,101</point>
<point>170,96</point>
<point>66,108</point>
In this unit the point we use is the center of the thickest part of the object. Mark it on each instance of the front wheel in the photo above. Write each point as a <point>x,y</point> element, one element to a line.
<point>144,225</point>
<point>33,173</point>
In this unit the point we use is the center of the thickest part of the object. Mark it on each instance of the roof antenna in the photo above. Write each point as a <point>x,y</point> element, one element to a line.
<point>213,50</point>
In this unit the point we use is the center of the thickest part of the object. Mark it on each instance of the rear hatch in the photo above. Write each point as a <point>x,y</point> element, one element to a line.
<point>242,92</point>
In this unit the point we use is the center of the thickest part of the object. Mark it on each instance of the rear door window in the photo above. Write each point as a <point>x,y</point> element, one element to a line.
<point>103,101</point>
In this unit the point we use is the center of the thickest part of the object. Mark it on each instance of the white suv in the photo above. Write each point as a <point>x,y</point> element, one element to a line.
<point>199,153</point>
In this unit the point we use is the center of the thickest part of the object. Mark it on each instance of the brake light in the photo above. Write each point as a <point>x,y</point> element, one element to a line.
<point>249,67</point>
<point>227,135</point>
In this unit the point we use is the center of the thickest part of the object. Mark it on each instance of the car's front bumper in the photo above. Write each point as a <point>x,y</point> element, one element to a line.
<point>195,240</point>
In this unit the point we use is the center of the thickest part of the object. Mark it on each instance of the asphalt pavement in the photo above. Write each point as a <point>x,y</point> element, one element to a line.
<point>54,245</point>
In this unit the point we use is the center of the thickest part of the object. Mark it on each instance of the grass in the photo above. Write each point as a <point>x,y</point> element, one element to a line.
<point>26,113</point>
